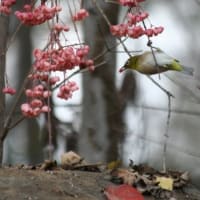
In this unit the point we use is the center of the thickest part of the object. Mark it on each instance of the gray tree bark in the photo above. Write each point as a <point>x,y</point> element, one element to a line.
<point>23,141</point>
<point>102,127</point>
<point>3,43</point>
<point>33,147</point>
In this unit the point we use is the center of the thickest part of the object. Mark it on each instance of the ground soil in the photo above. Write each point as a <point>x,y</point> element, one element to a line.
<point>36,184</point>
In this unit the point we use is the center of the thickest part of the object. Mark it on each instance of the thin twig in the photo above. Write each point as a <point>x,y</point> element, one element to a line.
<point>173,147</point>
<point>8,119</point>
<point>13,108</point>
<point>78,71</point>
<point>49,127</point>
<point>12,38</point>
<point>166,135</point>
<point>168,93</point>
<point>184,88</point>
<point>109,24</point>
<point>109,49</point>
<point>149,43</point>
<point>74,24</point>
<point>16,123</point>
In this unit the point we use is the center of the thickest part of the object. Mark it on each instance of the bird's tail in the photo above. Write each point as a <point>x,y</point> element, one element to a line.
<point>187,70</point>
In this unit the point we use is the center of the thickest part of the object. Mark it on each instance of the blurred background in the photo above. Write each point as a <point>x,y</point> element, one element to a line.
<point>116,115</point>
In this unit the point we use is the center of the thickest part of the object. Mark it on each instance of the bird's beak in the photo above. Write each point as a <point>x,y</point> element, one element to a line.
<point>122,69</point>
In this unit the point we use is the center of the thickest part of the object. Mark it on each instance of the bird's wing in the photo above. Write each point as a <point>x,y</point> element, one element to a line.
<point>162,59</point>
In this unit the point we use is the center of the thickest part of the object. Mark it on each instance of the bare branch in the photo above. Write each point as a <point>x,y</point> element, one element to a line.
<point>166,135</point>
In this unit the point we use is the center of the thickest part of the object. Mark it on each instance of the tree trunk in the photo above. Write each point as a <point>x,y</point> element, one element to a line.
<point>102,122</point>
<point>34,151</point>
<point>26,135</point>
<point>3,43</point>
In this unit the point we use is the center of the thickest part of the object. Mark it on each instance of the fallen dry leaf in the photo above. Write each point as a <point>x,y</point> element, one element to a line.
<point>150,181</point>
<point>70,158</point>
<point>165,183</point>
<point>127,176</point>
<point>48,165</point>
<point>113,164</point>
<point>122,192</point>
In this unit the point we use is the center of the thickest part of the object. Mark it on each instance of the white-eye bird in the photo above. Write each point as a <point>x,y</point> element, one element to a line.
<point>149,64</point>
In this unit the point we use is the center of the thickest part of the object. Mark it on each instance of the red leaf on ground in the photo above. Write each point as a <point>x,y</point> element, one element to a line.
<point>122,192</point>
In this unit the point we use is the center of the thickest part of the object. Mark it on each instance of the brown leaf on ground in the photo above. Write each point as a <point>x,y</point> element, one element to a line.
<point>150,181</point>
<point>125,175</point>
<point>48,165</point>
<point>71,160</point>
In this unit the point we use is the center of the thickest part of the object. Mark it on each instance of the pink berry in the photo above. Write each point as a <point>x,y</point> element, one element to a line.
<point>9,90</point>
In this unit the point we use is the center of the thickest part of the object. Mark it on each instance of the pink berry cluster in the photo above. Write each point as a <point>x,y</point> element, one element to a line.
<point>133,19</point>
<point>132,27</point>
<point>49,61</point>
<point>53,59</point>
<point>62,59</point>
<point>9,90</point>
<point>130,3</point>
<point>66,90</point>
<point>5,6</point>
<point>80,15</point>
<point>35,16</point>
<point>36,104</point>
<point>59,28</point>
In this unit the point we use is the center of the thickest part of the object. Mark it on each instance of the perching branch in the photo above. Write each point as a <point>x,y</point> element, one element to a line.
<point>168,93</point>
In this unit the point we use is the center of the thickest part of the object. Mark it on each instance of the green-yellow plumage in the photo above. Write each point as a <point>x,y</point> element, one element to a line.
<point>146,63</point>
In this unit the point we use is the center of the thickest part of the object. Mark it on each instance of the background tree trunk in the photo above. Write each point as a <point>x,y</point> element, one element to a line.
<point>22,143</point>
<point>3,43</point>
<point>102,121</point>
<point>33,147</point>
